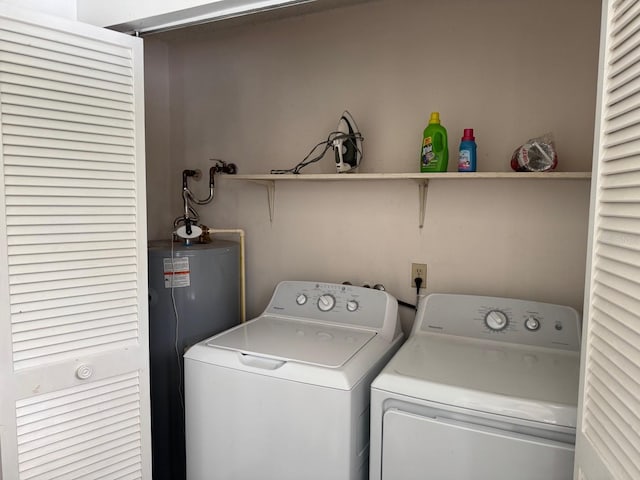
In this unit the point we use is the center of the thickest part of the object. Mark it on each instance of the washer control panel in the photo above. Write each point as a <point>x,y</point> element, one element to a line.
<point>335,303</point>
<point>501,319</point>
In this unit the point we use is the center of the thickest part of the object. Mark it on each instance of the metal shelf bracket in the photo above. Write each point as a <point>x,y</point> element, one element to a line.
<point>423,186</point>
<point>271,195</point>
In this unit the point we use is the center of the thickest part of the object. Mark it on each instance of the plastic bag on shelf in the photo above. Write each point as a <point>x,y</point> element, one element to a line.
<point>537,155</point>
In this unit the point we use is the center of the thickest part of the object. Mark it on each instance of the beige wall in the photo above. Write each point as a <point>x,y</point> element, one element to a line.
<point>261,95</point>
<point>158,125</point>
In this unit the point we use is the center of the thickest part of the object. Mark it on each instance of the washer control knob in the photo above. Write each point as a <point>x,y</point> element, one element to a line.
<point>496,320</point>
<point>532,324</point>
<point>352,305</point>
<point>326,302</point>
<point>301,299</point>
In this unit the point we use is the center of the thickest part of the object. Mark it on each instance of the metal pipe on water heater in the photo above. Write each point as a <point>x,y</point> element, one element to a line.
<point>241,234</point>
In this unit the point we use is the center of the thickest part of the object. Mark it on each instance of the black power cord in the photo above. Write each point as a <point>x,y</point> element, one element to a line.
<point>379,286</point>
<point>406,304</point>
<point>328,143</point>
<point>418,282</point>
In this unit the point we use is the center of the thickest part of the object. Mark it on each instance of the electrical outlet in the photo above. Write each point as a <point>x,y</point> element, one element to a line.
<point>419,270</point>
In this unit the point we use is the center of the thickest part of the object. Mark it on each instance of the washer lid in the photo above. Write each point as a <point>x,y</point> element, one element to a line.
<point>537,384</point>
<point>294,340</point>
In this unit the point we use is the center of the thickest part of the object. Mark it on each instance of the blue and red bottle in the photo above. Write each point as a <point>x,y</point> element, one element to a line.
<point>467,157</point>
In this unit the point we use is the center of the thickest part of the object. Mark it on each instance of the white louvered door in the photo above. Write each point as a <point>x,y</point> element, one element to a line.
<point>608,439</point>
<point>74,387</point>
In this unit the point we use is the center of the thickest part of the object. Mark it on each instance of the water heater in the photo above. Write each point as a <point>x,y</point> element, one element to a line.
<point>199,283</point>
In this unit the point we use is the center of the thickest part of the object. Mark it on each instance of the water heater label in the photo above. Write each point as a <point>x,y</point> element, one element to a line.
<point>176,272</point>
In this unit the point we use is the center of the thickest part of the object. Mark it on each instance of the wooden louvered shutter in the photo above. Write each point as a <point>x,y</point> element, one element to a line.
<point>608,439</point>
<point>74,394</point>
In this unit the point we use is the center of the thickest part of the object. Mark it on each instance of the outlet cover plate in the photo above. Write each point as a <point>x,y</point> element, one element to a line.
<point>419,270</point>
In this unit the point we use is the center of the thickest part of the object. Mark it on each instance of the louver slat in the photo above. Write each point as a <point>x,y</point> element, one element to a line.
<point>61,221</point>
<point>617,341</point>
<point>622,148</point>
<point>605,441</point>
<point>109,302</point>
<point>79,318</point>
<point>57,40</point>
<point>109,324</point>
<point>626,90</point>
<point>64,116</point>
<point>46,81</point>
<point>82,248</point>
<point>23,151</point>
<point>73,264</point>
<point>84,437</point>
<point>35,261</point>
<point>628,179</point>
<point>81,238</point>
<point>16,203</point>
<point>622,211</point>
<point>15,61</point>
<point>42,171</point>
<point>621,255</point>
<point>29,282</point>
<point>618,273</point>
<point>69,55</point>
<point>611,419</point>
<point>621,224</point>
<point>66,182</point>
<point>623,28</point>
<point>56,307</point>
<point>63,76</point>
<point>39,123</point>
<point>25,101</point>
<point>30,88</point>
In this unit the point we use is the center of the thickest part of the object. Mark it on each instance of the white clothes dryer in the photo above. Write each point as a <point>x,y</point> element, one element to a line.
<point>484,388</point>
<point>286,395</point>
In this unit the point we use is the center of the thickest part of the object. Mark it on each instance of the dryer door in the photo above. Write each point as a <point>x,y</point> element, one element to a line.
<point>417,447</point>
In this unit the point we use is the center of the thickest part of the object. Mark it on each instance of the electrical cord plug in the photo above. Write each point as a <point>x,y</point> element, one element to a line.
<point>418,282</point>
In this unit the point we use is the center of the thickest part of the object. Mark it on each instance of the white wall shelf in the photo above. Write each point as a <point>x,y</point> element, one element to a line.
<point>422,179</point>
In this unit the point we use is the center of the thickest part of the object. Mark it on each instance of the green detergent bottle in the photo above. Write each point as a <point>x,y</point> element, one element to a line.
<point>434,156</point>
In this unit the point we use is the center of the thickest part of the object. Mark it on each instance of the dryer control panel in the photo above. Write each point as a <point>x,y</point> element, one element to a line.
<point>347,305</point>
<point>501,319</point>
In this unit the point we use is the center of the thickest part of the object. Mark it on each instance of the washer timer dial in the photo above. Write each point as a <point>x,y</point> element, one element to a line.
<point>496,320</point>
<point>326,302</point>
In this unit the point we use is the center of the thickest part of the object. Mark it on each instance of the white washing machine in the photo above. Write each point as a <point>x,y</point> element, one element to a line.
<point>484,388</point>
<point>286,395</point>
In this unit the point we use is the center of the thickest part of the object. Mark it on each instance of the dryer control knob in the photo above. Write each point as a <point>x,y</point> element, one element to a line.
<point>496,320</point>
<point>352,305</point>
<point>326,302</point>
<point>301,299</point>
<point>532,324</point>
